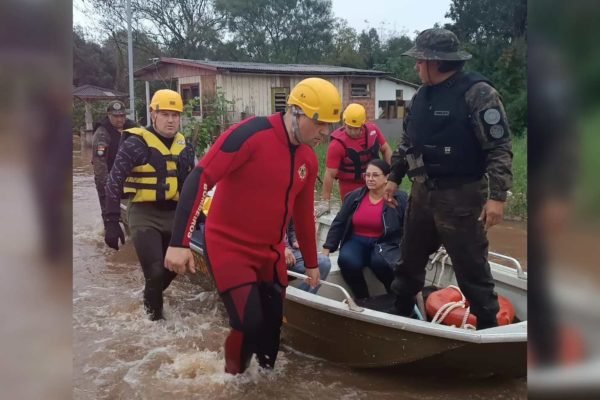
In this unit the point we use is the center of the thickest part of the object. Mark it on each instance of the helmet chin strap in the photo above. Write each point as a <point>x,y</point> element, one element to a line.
<point>296,113</point>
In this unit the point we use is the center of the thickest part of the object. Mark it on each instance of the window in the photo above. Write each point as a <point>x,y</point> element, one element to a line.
<point>189,92</point>
<point>359,90</point>
<point>279,97</point>
<point>399,94</point>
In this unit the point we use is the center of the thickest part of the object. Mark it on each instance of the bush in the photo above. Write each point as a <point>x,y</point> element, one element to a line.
<point>216,118</point>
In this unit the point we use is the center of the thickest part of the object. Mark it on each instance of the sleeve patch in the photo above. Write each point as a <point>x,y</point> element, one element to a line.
<point>493,124</point>
<point>100,150</point>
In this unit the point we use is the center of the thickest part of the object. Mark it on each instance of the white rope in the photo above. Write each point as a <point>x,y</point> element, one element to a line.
<point>447,308</point>
<point>444,260</point>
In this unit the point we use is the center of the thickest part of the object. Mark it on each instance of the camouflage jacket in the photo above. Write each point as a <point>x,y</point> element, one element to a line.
<point>105,144</point>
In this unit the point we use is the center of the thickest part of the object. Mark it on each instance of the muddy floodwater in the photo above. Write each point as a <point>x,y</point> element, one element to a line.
<point>120,354</point>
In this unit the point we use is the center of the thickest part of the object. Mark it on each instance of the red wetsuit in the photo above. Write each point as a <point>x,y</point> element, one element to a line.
<point>263,181</point>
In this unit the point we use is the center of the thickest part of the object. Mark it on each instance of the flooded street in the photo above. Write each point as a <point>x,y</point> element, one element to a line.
<point>120,354</point>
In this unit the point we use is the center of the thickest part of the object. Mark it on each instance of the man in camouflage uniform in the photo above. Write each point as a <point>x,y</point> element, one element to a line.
<point>456,148</point>
<point>105,143</point>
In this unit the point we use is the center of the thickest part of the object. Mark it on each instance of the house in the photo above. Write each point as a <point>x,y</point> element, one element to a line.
<point>392,95</point>
<point>92,93</point>
<point>262,88</point>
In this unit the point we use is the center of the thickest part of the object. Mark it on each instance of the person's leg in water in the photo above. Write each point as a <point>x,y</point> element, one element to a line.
<point>148,246</point>
<point>271,296</point>
<point>168,276</point>
<point>243,304</point>
<point>255,316</point>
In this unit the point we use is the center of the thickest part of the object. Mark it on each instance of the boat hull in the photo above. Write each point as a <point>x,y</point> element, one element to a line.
<point>362,344</point>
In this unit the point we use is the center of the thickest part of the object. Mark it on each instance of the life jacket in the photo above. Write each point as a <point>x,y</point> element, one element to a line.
<point>157,179</point>
<point>440,126</point>
<point>355,161</point>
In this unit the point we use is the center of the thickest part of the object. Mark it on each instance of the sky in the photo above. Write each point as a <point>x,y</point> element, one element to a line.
<point>400,16</point>
<point>387,16</point>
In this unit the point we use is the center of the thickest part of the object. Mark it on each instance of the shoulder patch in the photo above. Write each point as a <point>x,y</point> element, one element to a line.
<point>100,149</point>
<point>239,135</point>
<point>491,116</point>
<point>494,126</point>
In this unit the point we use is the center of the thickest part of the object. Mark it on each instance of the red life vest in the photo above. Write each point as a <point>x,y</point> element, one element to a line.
<point>355,161</point>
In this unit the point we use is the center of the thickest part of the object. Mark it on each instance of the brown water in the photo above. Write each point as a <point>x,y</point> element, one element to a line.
<point>119,354</point>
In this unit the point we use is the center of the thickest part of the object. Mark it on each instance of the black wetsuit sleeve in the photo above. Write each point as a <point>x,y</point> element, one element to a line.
<point>132,152</point>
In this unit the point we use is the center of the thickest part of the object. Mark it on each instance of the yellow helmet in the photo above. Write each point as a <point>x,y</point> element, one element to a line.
<point>166,100</point>
<point>318,99</point>
<point>355,115</point>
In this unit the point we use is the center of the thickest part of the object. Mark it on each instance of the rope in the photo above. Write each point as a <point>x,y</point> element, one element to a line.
<point>447,308</point>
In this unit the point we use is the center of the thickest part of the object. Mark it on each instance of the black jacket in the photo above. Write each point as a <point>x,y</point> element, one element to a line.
<point>393,223</point>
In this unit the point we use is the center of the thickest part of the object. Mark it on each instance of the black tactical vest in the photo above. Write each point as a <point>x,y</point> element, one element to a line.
<point>439,125</point>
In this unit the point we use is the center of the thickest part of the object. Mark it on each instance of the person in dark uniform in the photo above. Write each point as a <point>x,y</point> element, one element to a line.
<point>150,167</point>
<point>266,170</point>
<point>456,148</point>
<point>105,143</point>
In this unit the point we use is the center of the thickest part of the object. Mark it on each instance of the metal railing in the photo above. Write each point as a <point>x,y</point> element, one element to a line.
<point>349,300</point>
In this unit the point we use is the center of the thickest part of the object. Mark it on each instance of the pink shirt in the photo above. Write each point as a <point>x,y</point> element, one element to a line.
<point>367,219</point>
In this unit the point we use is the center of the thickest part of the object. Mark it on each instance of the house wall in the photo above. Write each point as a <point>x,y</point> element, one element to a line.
<point>367,102</point>
<point>386,90</point>
<point>251,94</point>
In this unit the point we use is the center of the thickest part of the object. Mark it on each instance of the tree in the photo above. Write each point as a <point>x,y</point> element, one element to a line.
<point>480,20</point>
<point>184,28</point>
<point>90,65</point>
<point>115,47</point>
<point>344,48</point>
<point>284,31</point>
<point>399,66</point>
<point>495,33</point>
<point>369,47</point>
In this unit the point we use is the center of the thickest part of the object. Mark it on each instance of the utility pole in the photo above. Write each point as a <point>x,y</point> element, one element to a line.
<point>130,62</point>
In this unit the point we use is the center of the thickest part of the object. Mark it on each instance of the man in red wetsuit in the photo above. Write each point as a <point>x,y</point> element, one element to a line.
<point>350,150</point>
<point>266,170</point>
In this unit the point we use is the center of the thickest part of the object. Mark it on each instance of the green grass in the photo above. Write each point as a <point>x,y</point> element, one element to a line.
<point>588,184</point>
<point>516,207</point>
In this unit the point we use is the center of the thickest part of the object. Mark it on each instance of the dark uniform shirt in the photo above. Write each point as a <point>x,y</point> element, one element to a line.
<point>496,145</point>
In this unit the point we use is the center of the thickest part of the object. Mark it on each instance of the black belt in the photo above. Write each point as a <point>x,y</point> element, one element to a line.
<point>450,182</point>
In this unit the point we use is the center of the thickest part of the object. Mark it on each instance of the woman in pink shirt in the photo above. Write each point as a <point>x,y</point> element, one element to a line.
<point>368,231</point>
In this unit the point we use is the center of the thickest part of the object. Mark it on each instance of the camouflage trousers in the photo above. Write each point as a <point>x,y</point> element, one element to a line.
<point>448,217</point>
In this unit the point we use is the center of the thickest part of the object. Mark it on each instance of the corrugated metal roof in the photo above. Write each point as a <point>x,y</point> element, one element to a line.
<point>96,92</point>
<point>393,79</point>
<point>300,69</point>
